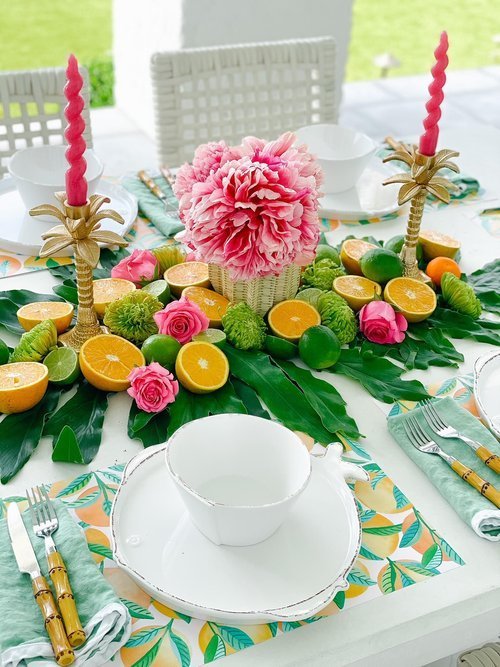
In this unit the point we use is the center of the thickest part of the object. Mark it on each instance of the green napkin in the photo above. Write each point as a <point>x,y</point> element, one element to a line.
<point>167,222</point>
<point>23,640</point>
<point>475,510</point>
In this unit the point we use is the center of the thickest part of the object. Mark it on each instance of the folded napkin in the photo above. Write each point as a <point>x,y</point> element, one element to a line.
<point>152,208</point>
<point>23,640</point>
<point>478,512</point>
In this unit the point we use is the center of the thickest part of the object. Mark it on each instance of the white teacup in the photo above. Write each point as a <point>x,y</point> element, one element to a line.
<point>39,172</point>
<point>238,475</point>
<point>342,153</point>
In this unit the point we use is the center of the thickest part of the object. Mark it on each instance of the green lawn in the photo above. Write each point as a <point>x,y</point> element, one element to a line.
<point>409,29</point>
<point>41,33</point>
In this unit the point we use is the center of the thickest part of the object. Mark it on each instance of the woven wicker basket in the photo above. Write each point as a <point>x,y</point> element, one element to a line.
<point>260,293</point>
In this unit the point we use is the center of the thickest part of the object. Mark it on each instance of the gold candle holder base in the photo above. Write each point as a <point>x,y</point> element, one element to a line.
<point>80,229</point>
<point>420,181</point>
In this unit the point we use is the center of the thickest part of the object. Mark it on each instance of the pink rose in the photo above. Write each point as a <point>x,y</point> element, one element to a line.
<point>182,320</point>
<point>140,267</point>
<point>153,387</point>
<point>380,323</point>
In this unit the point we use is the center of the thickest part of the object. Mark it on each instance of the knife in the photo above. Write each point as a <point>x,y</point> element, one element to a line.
<point>28,564</point>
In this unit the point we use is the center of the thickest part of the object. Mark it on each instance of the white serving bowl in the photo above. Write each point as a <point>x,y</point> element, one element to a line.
<point>39,172</point>
<point>342,153</point>
<point>238,475</point>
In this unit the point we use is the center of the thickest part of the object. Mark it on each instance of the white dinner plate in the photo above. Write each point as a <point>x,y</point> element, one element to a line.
<point>487,390</point>
<point>290,576</point>
<point>367,199</point>
<point>21,233</point>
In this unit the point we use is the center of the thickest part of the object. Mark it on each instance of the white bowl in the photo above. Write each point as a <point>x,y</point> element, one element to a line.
<point>342,153</point>
<point>39,172</point>
<point>238,475</point>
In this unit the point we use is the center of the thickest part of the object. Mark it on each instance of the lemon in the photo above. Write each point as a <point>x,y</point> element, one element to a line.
<point>357,290</point>
<point>436,244</point>
<point>22,386</point>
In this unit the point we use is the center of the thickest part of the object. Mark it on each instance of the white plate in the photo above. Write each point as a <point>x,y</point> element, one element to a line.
<point>21,233</point>
<point>290,576</point>
<point>487,390</point>
<point>368,199</point>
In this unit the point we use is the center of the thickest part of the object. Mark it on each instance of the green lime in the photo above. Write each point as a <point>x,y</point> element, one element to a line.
<point>4,352</point>
<point>63,365</point>
<point>161,348</point>
<point>381,265</point>
<point>324,251</point>
<point>214,336</point>
<point>159,289</point>
<point>319,347</point>
<point>396,243</point>
<point>280,348</point>
<point>310,295</point>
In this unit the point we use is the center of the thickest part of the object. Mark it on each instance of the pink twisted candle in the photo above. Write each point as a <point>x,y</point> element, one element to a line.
<point>429,139</point>
<point>76,183</point>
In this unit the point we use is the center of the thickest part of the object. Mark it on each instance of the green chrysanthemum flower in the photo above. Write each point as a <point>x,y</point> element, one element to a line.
<point>337,315</point>
<point>132,316</point>
<point>460,296</point>
<point>244,328</point>
<point>169,255</point>
<point>36,343</point>
<point>322,273</point>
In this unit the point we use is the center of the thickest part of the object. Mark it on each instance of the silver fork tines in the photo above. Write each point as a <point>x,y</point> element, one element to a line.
<point>43,516</point>
<point>418,437</point>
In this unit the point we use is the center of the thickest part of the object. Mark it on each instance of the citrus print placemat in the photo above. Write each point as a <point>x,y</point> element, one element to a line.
<point>489,219</point>
<point>460,388</point>
<point>399,549</point>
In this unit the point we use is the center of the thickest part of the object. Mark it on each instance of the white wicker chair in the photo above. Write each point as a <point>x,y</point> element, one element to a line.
<point>32,110</point>
<point>229,92</point>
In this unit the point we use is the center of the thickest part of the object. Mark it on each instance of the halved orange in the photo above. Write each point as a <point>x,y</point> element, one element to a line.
<point>201,367</point>
<point>22,385</point>
<point>108,290</point>
<point>60,312</point>
<point>187,274</point>
<point>289,319</point>
<point>351,252</point>
<point>435,244</point>
<point>214,305</point>
<point>357,290</point>
<point>106,361</point>
<point>412,297</point>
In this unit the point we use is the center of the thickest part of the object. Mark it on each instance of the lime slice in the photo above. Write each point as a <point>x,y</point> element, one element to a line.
<point>63,365</point>
<point>159,289</point>
<point>214,336</point>
<point>281,348</point>
<point>4,353</point>
<point>310,295</point>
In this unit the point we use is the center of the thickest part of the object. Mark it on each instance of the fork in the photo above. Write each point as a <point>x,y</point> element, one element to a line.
<point>424,443</point>
<point>444,430</point>
<point>45,523</point>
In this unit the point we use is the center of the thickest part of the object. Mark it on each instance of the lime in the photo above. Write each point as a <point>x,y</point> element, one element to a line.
<point>280,348</point>
<point>381,265</point>
<point>63,365</point>
<point>161,348</point>
<point>396,243</point>
<point>214,336</point>
<point>310,295</point>
<point>326,251</point>
<point>159,289</point>
<point>4,352</point>
<point>319,347</point>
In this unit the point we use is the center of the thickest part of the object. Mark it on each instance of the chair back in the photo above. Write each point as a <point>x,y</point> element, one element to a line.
<point>32,110</point>
<point>229,92</point>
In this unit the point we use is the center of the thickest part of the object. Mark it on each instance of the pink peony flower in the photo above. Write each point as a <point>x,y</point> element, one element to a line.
<point>140,267</point>
<point>380,323</point>
<point>182,320</point>
<point>153,387</point>
<point>257,214</point>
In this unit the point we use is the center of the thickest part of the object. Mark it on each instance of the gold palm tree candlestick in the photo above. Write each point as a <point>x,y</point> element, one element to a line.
<point>81,229</point>
<point>420,181</point>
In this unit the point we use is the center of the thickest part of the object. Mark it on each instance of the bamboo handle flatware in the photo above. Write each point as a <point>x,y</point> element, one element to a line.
<point>484,487</point>
<point>152,186</point>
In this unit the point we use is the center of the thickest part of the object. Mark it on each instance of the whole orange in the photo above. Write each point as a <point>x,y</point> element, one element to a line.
<point>440,265</point>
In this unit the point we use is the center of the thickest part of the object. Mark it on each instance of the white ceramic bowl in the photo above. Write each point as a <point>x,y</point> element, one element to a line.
<point>238,475</point>
<point>342,153</point>
<point>39,172</point>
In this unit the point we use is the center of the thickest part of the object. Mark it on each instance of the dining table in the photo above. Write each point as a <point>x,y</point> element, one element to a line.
<point>419,624</point>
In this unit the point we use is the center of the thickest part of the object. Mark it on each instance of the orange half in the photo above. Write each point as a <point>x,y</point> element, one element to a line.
<point>201,367</point>
<point>351,252</point>
<point>187,274</point>
<point>108,290</point>
<point>289,319</point>
<point>413,298</point>
<point>60,312</point>
<point>22,385</point>
<point>214,305</point>
<point>106,361</point>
